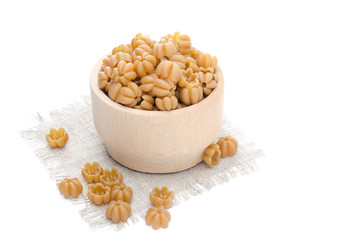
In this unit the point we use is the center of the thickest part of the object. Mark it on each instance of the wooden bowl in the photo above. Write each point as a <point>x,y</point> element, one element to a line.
<point>157,141</point>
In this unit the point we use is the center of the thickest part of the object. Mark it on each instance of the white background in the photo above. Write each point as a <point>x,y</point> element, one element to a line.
<point>293,71</point>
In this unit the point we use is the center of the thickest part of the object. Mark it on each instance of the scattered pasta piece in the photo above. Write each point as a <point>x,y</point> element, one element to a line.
<point>121,192</point>
<point>70,187</point>
<point>118,211</point>
<point>211,155</point>
<point>98,193</point>
<point>161,197</point>
<point>157,217</point>
<point>111,178</point>
<point>228,146</point>
<point>92,172</point>
<point>57,138</point>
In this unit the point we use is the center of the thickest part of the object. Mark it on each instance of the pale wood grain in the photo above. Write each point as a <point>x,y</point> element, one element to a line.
<point>157,141</point>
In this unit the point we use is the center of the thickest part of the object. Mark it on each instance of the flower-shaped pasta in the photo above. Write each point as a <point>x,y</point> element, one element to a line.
<point>170,70</point>
<point>206,60</point>
<point>192,95</point>
<point>124,73</point>
<point>179,60</point>
<point>122,48</point>
<point>111,178</point>
<point>104,76</point>
<point>191,63</point>
<point>118,211</point>
<point>120,56</point>
<point>147,103</point>
<point>163,88</point>
<point>161,197</point>
<point>98,193</point>
<point>142,49</point>
<point>228,146</point>
<point>144,64</point>
<point>208,82</point>
<point>57,138</point>
<point>139,39</point>
<point>157,217</point>
<point>92,172</point>
<point>189,79</point>
<point>148,82</point>
<point>185,44</point>
<point>211,155</point>
<point>167,103</point>
<point>122,193</point>
<point>70,187</point>
<point>128,96</point>
<point>166,47</point>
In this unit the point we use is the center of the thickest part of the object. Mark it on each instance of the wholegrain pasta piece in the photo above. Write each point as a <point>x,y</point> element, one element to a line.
<point>206,60</point>
<point>124,73</point>
<point>185,44</point>
<point>166,47</point>
<point>98,193</point>
<point>208,82</point>
<point>191,63</point>
<point>147,103</point>
<point>148,83</point>
<point>118,211</point>
<point>192,95</point>
<point>128,96</point>
<point>161,197</point>
<point>157,217</point>
<point>228,146</point>
<point>70,187</point>
<point>122,192</point>
<point>189,79</point>
<point>211,155</point>
<point>120,56</point>
<point>170,70</point>
<point>92,172</point>
<point>166,103</point>
<point>140,39</point>
<point>111,178</point>
<point>142,49</point>
<point>163,88</point>
<point>57,138</point>
<point>144,64</point>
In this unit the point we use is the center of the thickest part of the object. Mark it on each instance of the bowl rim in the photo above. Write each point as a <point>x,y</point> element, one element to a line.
<point>119,107</point>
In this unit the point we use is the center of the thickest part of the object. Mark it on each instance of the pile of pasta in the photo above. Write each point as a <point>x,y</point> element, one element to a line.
<point>164,75</point>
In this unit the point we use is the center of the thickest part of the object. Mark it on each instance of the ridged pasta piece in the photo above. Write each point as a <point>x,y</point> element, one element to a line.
<point>208,82</point>
<point>104,77</point>
<point>139,39</point>
<point>179,60</point>
<point>192,95</point>
<point>166,47</point>
<point>211,155</point>
<point>120,56</point>
<point>122,48</point>
<point>148,83</point>
<point>167,103</point>
<point>164,88</point>
<point>189,79</point>
<point>124,73</point>
<point>183,41</point>
<point>142,49</point>
<point>144,64</point>
<point>170,70</point>
<point>206,60</point>
<point>191,63</point>
<point>128,96</point>
<point>147,103</point>
<point>228,146</point>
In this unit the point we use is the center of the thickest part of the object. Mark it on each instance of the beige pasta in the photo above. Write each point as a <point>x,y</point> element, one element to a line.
<point>189,79</point>
<point>148,83</point>
<point>206,60</point>
<point>163,88</point>
<point>166,47</point>
<point>122,48</point>
<point>147,103</point>
<point>139,39</point>
<point>144,64</point>
<point>208,82</point>
<point>120,56</point>
<point>128,96</point>
<point>192,95</point>
<point>191,63</point>
<point>184,43</point>
<point>104,76</point>
<point>211,155</point>
<point>170,70</point>
<point>167,103</point>
<point>179,60</point>
<point>124,73</point>
<point>228,146</point>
